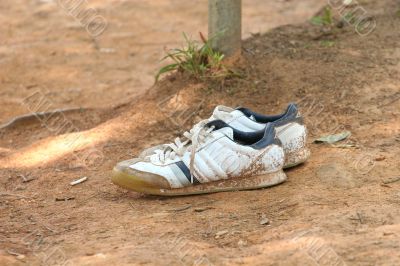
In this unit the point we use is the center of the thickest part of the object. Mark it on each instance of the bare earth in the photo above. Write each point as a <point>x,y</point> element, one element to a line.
<point>340,208</point>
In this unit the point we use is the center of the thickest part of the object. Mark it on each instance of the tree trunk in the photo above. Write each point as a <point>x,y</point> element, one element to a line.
<point>225,26</point>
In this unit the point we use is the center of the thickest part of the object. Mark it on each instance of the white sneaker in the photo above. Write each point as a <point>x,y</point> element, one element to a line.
<point>289,125</point>
<point>214,157</point>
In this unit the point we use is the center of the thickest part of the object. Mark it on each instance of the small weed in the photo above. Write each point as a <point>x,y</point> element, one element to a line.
<point>198,59</point>
<point>349,17</point>
<point>398,13</point>
<point>326,43</point>
<point>324,20</point>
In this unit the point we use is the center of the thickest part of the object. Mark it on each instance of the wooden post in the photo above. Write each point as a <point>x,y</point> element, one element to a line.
<point>225,25</point>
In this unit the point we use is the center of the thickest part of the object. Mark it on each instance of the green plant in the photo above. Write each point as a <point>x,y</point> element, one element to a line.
<point>349,17</point>
<point>197,59</point>
<point>324,20</point>
<point>327,43</point>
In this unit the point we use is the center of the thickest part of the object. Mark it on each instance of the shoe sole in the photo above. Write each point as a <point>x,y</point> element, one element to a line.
<point>296,158</point>
<point>132,182</point>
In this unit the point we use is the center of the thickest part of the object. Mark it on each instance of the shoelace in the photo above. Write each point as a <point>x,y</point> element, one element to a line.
<point>195,136</point>
<point>221,115</point>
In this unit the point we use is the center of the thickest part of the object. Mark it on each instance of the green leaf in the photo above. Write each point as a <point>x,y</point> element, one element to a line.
<point>167,68</point>
<point>317,21</point>
<point>330,139</point>
<point>327,19</point>
<point>349,17</point>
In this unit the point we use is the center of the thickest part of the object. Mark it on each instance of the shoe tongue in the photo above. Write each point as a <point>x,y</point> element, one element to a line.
<point>227,131</point>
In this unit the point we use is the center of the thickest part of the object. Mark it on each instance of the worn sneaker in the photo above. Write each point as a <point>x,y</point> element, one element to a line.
<point>213,157</point>
<point>290,130</point>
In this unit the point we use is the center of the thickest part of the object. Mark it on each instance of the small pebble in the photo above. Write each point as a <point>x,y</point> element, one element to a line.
<point>380,158</point>
<point>221,233</point>
<point>242,243</point>
<point>264,220</point>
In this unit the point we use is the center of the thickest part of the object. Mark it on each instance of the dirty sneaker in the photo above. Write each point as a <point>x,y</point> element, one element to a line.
<point>213,157</point>
<point>290,130</point>
<point>289,126</point>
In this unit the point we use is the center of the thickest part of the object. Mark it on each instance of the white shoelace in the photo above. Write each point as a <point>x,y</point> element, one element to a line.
<point>194,137</point>
<point>221,113</point>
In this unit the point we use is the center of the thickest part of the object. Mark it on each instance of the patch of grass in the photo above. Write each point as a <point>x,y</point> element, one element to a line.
<point>324,20</point>
<point>198,59</point>
<point>398,13</point>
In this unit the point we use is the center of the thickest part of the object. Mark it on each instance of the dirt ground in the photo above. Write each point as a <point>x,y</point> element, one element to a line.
<point>339,208</point>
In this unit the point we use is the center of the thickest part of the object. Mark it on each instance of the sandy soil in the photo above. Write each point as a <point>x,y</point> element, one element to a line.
<point>44,46</point>
<point>340,208</point>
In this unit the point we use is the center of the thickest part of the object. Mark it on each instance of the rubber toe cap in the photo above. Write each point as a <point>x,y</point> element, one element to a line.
<point>127,177</point>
